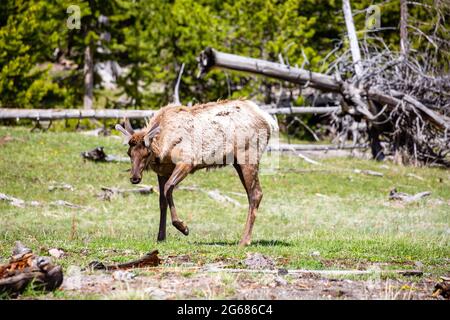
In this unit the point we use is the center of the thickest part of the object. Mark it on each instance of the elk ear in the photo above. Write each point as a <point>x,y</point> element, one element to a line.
<point>154,130</point>
<point>128,126</point>
<point>125,133</point>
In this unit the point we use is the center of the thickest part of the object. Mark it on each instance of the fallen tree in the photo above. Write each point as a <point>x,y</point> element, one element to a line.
<point>100,114</point>
<point>403,98</point>
<point>356,100</point>
<point>210,58</point>
<point>61,114</point>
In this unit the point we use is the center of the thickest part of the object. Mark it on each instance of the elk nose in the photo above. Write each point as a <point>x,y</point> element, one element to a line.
<point>135,180</point>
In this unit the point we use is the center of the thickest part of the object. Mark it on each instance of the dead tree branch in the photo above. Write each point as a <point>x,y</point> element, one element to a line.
<point>176,93</point>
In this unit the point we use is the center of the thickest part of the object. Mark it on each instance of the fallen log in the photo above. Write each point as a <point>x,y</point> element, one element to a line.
<point>60,114</point>
<point>395,195</point>
<point>110,192</point>
<point>302,110</point>
<point>16,202</point>
<point>60,186</point>
<point>98,155</point>
<point>151,259</point>
<point>25,268</point>
<point>368,172</point>
<point>213,194</point>
<point>284,147</point>
<point>307,159</point>
<point>211,58</point>
<point>442,288</point>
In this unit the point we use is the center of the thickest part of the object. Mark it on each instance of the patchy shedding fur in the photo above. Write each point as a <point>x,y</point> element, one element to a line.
<point>209,133</point>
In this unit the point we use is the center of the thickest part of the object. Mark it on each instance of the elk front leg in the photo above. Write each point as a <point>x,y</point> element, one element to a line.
<point>248,174</point>
<point>179,173</point>
<point>163,208</point>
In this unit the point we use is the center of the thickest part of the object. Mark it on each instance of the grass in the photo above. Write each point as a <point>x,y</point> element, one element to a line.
<point>345,216</point>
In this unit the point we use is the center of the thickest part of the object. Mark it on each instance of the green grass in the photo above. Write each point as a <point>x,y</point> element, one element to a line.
<point>345,216</point>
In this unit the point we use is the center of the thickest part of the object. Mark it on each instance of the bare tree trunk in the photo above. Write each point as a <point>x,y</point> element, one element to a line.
<point>88,77</point>
<point>377,149</point>
<point>354,47</point>
<point>404,44</point>
<point>176,93</point>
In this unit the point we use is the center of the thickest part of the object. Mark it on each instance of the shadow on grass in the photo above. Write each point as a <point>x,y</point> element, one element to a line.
<point>262,243</point>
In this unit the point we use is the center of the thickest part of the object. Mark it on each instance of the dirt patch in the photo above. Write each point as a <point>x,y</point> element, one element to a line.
<point>186,283</point>
<point>259,261</point>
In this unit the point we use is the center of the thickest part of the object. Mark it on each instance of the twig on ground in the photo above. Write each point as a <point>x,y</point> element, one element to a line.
<point>395,195</point>
<point>110,192</point>
<point>369,172</point>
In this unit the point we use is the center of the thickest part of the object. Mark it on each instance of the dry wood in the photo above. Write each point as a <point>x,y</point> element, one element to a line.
<point>151,259</point>
<point>16,202</point>
<point>284,147</point>
<point>98,154</point>
<point>368,172</point>
<point>440,121</point>
<point>59,114</point>
<point>217,196</point>
<point>301,110</point>
<point>141,190</point>
<point>88,76</point>
<point>395,195</point>
<point>354,47</point>
<point>307,159</point>
<point>63,203</point>
<point>210,58</point>
<point>401,103</point>
<point>110,192</point>
<point>176,93</point>
<point>442,288</point>
<point>404,43</point>
<point>60,186</point>
<point>213,194</point>
<point>24,268</point>
<point>412,175</point>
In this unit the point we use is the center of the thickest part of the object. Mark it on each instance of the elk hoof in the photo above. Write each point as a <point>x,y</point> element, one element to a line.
<point>181,226</point>
<point>161,238</point>
<point>244,242</point>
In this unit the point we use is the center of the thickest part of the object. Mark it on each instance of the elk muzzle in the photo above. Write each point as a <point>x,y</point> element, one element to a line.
<point>135,179</point>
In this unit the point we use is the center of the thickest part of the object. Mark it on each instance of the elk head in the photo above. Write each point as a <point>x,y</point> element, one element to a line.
<point>139,148</point>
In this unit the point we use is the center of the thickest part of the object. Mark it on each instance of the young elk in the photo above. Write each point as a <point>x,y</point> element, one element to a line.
<point>180,140</point>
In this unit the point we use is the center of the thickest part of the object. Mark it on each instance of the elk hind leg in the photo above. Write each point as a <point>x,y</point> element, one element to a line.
<point>249,177</point>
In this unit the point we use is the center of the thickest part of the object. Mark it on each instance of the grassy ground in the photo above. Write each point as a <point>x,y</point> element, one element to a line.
<point>317,217</point>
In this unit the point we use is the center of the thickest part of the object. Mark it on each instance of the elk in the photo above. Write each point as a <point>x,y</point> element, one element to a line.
<point>180,140</point>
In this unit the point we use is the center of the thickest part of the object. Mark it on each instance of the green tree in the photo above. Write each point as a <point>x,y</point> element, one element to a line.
<point>27,40</point>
